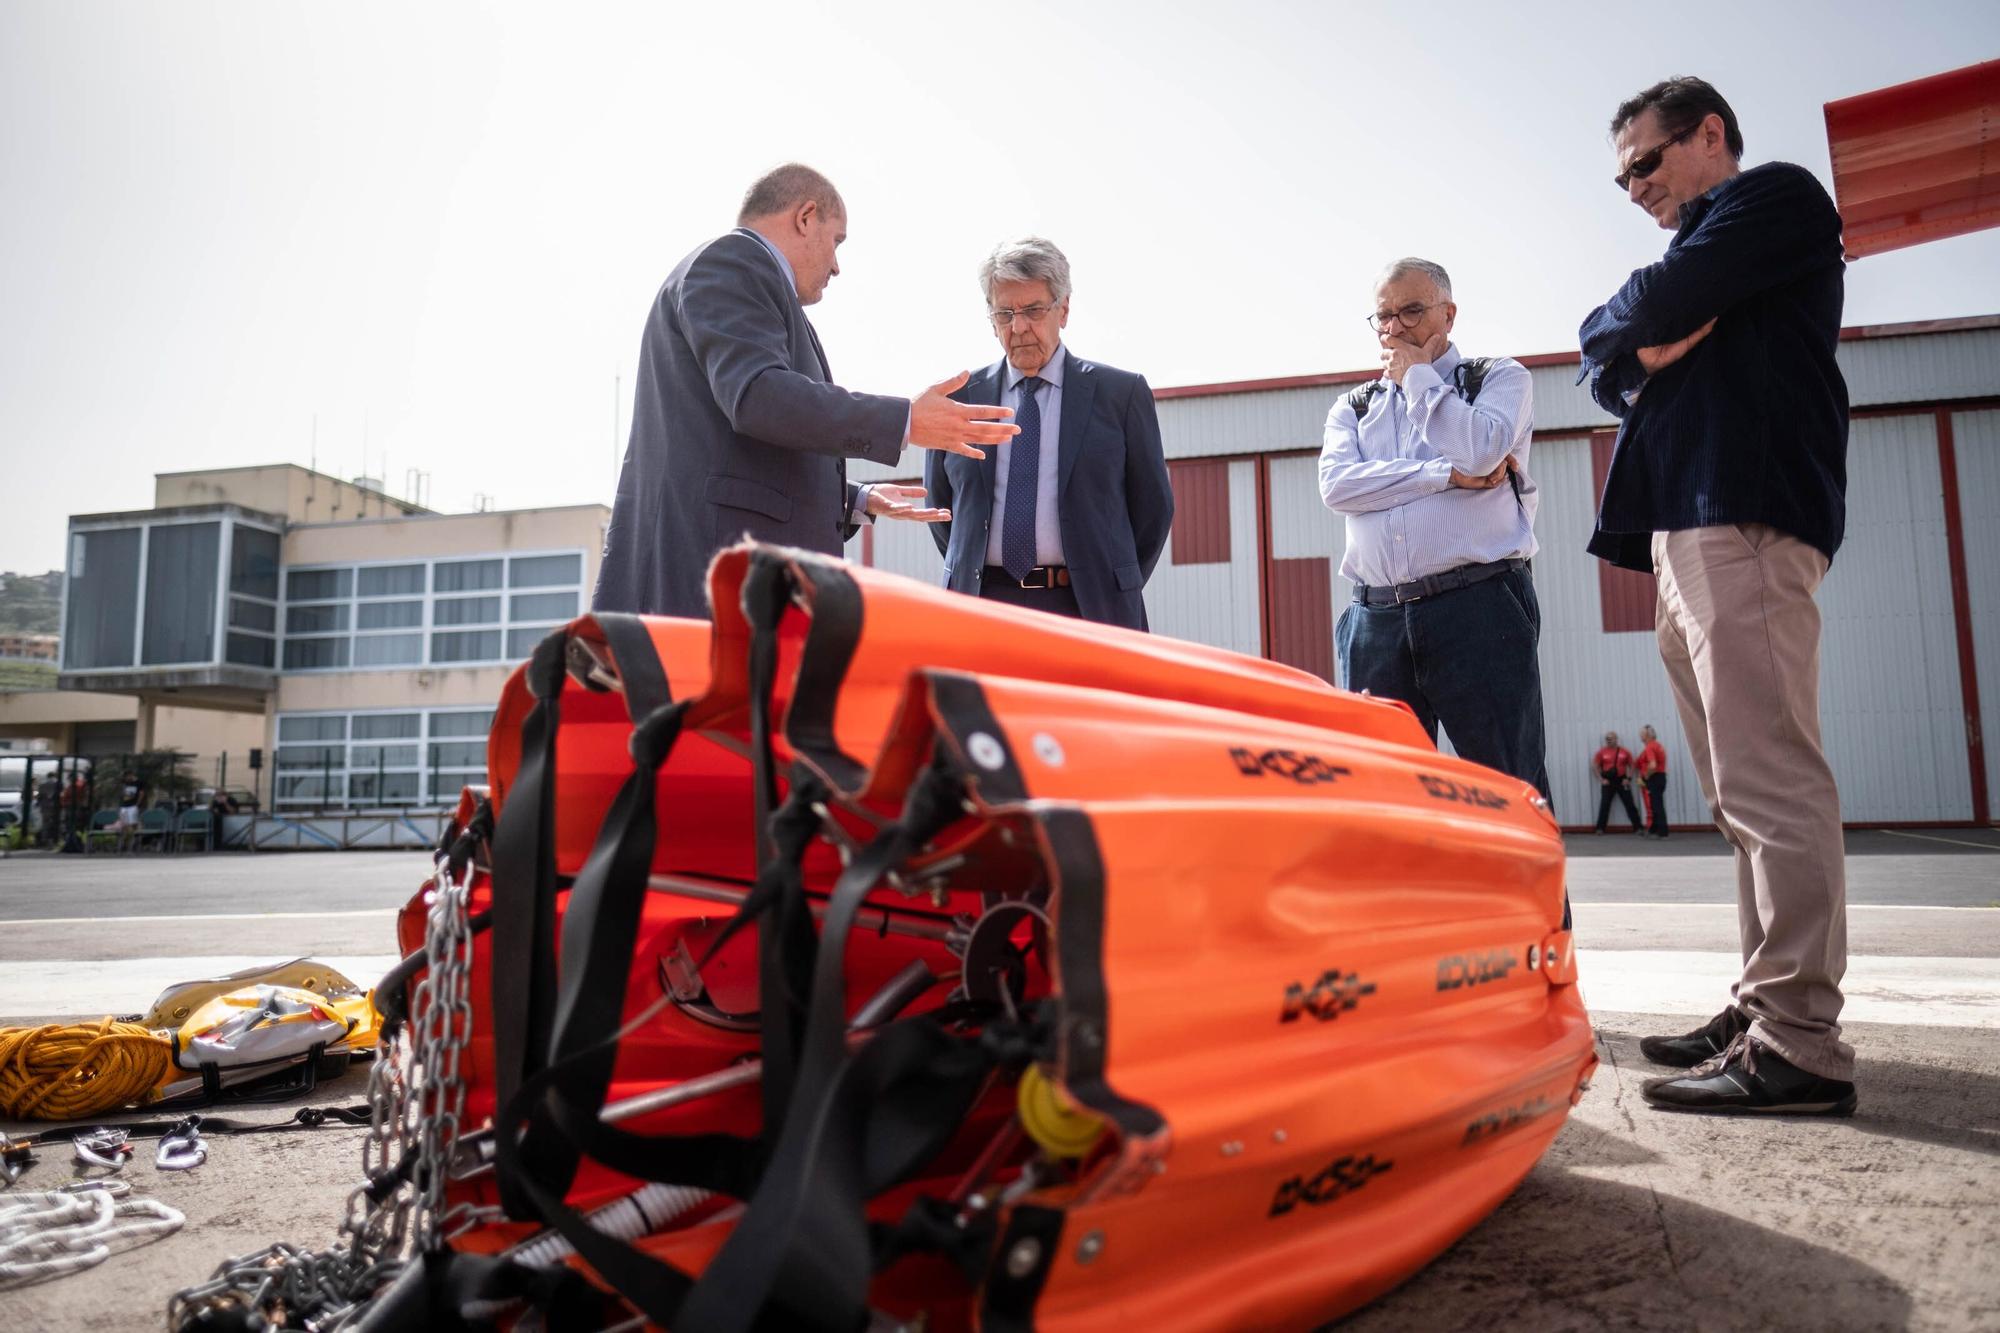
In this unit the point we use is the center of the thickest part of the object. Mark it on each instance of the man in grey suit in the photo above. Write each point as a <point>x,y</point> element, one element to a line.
<point>1071,515</point>
<point>737,427</point>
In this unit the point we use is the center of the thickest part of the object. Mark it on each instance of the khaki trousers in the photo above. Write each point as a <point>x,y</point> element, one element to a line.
<point>1739,634</point>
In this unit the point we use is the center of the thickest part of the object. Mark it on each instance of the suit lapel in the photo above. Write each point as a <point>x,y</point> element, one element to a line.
<point>987,387</point>
<point>1079,387</point>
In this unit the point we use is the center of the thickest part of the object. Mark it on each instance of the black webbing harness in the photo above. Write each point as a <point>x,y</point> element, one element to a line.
<point>839,1125</point>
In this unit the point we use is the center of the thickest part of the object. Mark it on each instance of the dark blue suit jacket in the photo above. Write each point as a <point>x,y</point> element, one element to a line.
<point>1113,498</point>
<point>737,431</point>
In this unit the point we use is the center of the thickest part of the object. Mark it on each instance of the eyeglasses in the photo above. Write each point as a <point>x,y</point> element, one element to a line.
<point>1032,313</point>
<point>1408,316</point>
<point>1644,165</point>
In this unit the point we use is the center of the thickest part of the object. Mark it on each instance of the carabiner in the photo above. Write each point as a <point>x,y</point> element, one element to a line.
<point>103,1147</point>
<point>183,1148</point>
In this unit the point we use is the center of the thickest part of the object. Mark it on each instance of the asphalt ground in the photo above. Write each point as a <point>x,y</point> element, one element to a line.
<point>1635,1218</point>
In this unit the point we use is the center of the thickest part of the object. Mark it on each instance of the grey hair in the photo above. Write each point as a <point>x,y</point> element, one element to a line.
<point>782,189</point>
<point>1402,268</point>
<point>1029,259</point>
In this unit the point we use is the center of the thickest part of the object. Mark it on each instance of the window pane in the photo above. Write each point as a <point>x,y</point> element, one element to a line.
<point>390,581</point>
<point>387,727</point>
<point>374,650</point>
<point>369,757</point>
<point>458,754</point>
<point>307,585</point>
<point>388,789</point>
<point>103,599</point>
<point>521,641</point>
<point>545,571</point>
<point>312,728</point>
<point>253,562</point>
<point>466,611</point>
<point>327,619</point>
<point>461,724</point>
<point>303,789</point>
<point>389,615</point>
<point>181,567</point>
<point>252,650</point>
<point>467,575</point>
<point>312,756</point>
<point>476,646</point>
<point>315,654</point>
<point>259,616</point>
<point>542,606</point>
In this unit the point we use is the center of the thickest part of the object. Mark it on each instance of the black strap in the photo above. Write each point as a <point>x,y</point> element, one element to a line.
<point>432,1296</point>
<point>524,894</point>
<point>600,933</point>
<point>801,1255</point>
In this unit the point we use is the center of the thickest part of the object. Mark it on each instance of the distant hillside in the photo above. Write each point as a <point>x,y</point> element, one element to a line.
<point>31,603</point>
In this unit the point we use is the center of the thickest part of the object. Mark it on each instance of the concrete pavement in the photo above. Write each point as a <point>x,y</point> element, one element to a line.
<point>1634,1219</point>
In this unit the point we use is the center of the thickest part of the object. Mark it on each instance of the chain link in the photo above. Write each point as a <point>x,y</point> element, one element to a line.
<point>416,1103</point>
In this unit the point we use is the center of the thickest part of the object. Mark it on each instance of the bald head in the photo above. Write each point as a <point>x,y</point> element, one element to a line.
<point>783,190</point>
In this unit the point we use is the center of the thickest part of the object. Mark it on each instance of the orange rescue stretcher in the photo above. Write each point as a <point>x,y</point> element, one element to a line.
<point>884,957</point>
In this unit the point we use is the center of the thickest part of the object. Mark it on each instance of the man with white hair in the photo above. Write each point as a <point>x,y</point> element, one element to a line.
<point>1429,465</point>
<point>1070,515</point>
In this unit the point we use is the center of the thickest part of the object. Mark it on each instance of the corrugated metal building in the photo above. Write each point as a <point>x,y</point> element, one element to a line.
<point>1911,656</point>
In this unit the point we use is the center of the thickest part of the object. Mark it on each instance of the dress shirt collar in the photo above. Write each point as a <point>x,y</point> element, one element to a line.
<point>784,264</point>
<point>1052,372</point>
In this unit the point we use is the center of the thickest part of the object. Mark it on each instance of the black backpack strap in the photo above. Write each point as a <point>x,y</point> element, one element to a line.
<point>1360,399</point>
<point>1469,376</point>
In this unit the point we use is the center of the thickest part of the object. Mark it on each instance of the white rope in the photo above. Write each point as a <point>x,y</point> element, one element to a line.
<point>52,1234</point>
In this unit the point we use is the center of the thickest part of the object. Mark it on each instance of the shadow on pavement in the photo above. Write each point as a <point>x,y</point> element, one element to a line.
<point>1571,1251</point>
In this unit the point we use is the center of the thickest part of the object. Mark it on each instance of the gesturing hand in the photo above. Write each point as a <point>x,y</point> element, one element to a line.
<point>1398,356</point>
<point>937,422</point>
<point>1657,359</point>
<point>888,500</point>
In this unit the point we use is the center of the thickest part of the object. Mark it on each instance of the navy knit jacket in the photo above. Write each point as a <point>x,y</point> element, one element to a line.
<point>1750,426</point>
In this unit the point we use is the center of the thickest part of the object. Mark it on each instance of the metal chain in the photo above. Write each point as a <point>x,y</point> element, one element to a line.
<point>416,1101</point>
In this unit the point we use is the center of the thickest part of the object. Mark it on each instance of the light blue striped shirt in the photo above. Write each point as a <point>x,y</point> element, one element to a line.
<point>1390,473</point>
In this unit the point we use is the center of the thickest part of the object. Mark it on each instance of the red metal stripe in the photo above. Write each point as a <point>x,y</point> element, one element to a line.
<point>1265,577</point>
<point>1536,360</point>
<point>1201,511</point>
<point>1625,597</point>
<point>1302,614</point>
<point>1961,614</point>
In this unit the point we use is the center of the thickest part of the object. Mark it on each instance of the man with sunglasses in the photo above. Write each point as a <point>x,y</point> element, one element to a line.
<point>1070,515</point>
<point>1429,466</point>
<point>1728,484</point>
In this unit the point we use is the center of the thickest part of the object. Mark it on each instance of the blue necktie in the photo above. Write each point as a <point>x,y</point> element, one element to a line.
<point>1024,466</point>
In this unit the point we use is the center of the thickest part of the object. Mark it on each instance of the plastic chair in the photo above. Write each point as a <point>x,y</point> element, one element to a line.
<point>155,826</point>
<point>102,831</point>
<point>193,825</point>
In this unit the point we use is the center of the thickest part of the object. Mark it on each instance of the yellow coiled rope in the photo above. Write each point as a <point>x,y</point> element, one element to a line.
<point>79,1070</point>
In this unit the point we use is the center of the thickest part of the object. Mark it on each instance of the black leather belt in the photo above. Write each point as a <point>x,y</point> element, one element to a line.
<point>1041,576</point>
<point>1451,580</point>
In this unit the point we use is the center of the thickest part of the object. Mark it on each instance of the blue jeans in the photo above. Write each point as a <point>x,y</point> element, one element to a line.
<point>1466,659</point>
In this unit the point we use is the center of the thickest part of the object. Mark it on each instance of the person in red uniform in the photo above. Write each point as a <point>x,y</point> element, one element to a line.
<point>1614,767</point>
<point>1652,767</point>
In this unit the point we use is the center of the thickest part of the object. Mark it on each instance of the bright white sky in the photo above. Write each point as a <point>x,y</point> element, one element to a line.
<point>438,227</point>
